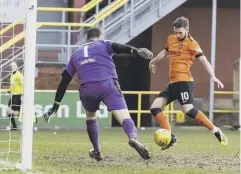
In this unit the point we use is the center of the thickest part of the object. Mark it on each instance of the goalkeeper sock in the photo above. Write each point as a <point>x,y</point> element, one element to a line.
<point>163,121</point>
<point>202,119</point>
<point>129,128</point>
<point>93,132</point>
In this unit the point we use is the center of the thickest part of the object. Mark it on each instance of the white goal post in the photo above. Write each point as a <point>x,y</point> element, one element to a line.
<point>17,17</point>
<point>29,75</point>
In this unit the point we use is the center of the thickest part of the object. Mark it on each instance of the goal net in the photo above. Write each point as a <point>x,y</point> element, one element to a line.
<point>17,45</point>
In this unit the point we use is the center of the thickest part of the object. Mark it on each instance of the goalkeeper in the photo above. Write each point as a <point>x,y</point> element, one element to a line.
<point>96,71</point>
<point>16,90</point>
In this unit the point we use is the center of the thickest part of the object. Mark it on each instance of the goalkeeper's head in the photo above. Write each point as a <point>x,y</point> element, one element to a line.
<point>94,34</point>
<point>14,66</point>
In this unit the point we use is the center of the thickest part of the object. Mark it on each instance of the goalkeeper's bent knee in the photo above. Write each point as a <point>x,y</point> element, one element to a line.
<point>155,111</point>
<point>91,116</point>
<point>192,113</point>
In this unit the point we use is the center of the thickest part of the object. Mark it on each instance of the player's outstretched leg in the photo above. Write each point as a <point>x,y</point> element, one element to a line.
<point>202,119</point>
<point>93,132</point>
<point>164,123</point>
<point>128,125</point>
<point>161,118</point>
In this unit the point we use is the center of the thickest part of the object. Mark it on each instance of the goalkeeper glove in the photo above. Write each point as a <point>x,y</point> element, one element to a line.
<point>145,53</point>
<point>51,112</point>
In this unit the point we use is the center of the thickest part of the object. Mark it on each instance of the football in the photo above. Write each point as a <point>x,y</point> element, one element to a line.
<point>162,137</point>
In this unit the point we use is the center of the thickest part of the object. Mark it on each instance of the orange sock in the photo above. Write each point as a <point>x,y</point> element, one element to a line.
<point>202,119</point>
<point>162,120</point>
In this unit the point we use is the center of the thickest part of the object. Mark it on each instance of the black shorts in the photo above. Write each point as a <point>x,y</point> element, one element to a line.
<point>15,102</point>
<point>181,91</point>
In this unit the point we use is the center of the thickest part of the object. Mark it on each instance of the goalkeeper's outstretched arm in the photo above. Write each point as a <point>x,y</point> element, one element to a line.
<point>142,52</point>
<point>66,78</point>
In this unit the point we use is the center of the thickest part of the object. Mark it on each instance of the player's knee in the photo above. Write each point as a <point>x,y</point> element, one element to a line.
<point>121,115</point>
<point>155,111</point>
<point>16,113</point>
<point>192,113</point>
<point>9,111</point>
<point>90,115</point>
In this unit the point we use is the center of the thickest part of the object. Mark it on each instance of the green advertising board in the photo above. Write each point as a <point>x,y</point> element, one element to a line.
<point>71,114</point>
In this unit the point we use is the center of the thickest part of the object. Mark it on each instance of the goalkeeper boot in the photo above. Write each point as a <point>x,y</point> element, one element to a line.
<point>221,137</point>
<point>96,155</point>
<point>140,148</point>
<point>173,140</point>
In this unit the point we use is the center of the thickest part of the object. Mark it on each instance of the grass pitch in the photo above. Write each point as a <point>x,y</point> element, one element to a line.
<point>196,151</point>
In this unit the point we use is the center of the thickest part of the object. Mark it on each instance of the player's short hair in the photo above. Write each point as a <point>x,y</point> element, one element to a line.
<point>181,22</point>
<point>93,33</point>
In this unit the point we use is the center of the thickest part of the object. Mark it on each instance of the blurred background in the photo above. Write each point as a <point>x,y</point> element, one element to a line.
<point>141,23</point>
<point>61,27</point>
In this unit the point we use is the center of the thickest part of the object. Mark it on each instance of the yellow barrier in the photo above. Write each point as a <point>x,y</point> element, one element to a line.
<point>3,90</point>
<point>226,93</point>
<point>168,109</point>
<point>226,111</point>
<point>14,40</point>
<point>180,117</point>
<point>103,14</point>
<point>85,8</point>
<point>9,27</point>
<point>98,17</point>
<point>65,24</point>
<point>109,9</point>
<point>107,12</point>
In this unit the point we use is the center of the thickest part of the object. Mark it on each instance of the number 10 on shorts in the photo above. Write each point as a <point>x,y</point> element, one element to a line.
<point>185,96</point>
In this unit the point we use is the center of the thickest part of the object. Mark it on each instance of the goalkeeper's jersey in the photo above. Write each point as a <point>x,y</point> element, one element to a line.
<point>93,62</point>
<point>16,83</point>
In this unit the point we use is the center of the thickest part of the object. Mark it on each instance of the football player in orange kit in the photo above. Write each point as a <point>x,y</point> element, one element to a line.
<point>181,50</point>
